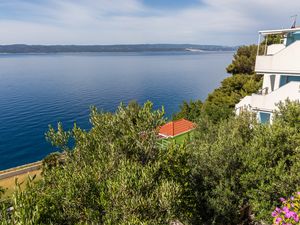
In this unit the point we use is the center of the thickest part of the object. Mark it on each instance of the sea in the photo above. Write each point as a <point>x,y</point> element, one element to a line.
<point>37,90</point>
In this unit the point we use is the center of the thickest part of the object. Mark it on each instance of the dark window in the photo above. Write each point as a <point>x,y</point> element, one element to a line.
<point>264,117</point>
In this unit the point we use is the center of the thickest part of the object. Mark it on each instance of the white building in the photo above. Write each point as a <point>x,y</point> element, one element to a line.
<point>280,66</point>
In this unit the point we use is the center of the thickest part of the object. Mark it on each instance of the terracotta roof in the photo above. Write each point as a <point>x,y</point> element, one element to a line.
<point>177,127</point>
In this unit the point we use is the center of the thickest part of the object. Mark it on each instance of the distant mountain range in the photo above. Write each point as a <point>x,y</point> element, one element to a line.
<point>21,48</point>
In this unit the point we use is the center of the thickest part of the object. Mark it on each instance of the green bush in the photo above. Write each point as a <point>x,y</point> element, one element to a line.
<point>243,60</point>
<point>115,174</point>
<point>52,160</point>
<point>189,110</point>
<point>2,191</point>
<point>241,168</point>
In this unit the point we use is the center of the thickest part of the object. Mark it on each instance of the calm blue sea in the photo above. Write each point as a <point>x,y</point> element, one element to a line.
<point>38,90</point>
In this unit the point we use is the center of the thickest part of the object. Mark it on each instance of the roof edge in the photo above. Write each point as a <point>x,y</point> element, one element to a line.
<point>279,31</point>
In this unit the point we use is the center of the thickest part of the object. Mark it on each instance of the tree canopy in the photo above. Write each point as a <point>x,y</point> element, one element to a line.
<point>232,172</point>
<point>220,103</point>
<point>190,111</point>
<point>241,168</point>
<point>115,174</point>
<point>243,60</point>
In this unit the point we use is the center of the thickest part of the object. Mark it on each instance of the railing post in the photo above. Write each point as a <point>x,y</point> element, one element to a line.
<point>266,45</point>
<point>258,44</point>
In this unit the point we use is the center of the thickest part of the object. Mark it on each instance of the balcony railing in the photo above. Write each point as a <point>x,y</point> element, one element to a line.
<point>263,91</point>
<point>285,60</point>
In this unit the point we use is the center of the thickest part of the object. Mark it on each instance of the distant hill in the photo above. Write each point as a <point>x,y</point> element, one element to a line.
<point>20,48</point>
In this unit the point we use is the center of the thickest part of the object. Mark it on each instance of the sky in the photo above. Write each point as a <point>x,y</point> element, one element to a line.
<point>222,22</point>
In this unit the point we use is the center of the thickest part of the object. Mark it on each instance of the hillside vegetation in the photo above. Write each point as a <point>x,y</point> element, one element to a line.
<point>220,103</point>
<point>21,48</point>
<point>233,171</point>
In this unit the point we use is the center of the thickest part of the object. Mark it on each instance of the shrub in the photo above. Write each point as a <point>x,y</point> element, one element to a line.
<point>52,160</point>
<point>115,174</point>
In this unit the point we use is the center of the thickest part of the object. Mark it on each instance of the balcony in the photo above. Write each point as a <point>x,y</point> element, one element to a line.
<point>267,102</point>
<point>279,59</point>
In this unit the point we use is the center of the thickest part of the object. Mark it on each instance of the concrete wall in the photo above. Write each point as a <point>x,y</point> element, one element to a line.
<point>268,102</point>
<point>20,170</point>
<point>275,48</point>
<point>286,61</point>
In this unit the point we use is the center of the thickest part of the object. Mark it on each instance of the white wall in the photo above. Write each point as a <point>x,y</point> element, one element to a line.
<point>266,82</point>
<point>268,102</point>
<point>285,61</point>
<point>275,48</point>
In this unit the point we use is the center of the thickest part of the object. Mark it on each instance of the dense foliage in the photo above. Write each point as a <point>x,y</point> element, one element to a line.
<point>220,103</point>
<point>243,60</point>
<point>52,160</point>
<point>244,167</point>
<point>232,171</point>
<point>190,111</point>
<point>273,39</point>
<point>116,174</point>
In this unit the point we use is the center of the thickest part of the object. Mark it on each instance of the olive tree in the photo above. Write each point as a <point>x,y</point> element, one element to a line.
<point>116,173</point>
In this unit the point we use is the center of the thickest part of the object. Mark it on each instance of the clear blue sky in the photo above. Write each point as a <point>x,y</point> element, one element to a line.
<point>226,22</point>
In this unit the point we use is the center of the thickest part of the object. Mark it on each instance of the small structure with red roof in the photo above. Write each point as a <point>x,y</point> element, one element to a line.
<point>176,128</point>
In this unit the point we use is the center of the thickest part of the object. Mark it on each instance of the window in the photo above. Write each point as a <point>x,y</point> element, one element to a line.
<point>272,81</point>
<point>264,117</point>
<point>285,79</point>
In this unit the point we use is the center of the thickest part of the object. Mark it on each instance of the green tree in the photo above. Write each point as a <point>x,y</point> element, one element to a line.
<point>221,102</point>
<point>273,39</point>
<point>243,60</point>
<point>273,160</point>
<point>217,166</point>
<point>241,168</point>
<point>115,174</point>
<point>52,160</point>
<point>190,111</point>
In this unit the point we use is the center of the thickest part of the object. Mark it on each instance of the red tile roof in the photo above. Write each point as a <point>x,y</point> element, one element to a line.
<point>177,127</point>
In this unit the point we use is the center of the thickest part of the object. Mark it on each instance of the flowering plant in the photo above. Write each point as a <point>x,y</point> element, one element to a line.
<point>289,213</point>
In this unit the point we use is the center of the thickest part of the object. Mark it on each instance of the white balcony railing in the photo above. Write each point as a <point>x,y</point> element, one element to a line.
<point>268,102</point>
<point>285,60</point>
<point>275,48</point>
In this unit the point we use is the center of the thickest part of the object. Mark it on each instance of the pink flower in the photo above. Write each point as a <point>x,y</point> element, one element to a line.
<point>285,209</point>
<point>289,215</point>
<point>278,220</point>
<point>274,213</point>
<point>282,199</point>
<point>278,210</point>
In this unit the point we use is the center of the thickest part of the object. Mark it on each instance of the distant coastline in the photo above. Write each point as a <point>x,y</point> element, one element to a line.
<point>43,49</point>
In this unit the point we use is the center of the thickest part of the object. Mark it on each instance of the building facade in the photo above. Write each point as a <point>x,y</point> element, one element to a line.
<point>280,66</point>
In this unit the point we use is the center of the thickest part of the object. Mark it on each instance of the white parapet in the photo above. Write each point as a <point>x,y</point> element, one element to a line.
<point>275,48</point>
<point>269,102</point>
<point>286,60</point>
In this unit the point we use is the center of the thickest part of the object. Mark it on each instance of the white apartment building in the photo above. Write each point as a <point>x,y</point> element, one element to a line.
<point>280,66</point>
